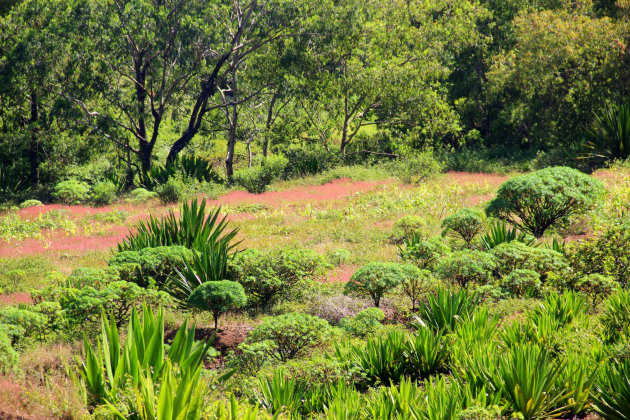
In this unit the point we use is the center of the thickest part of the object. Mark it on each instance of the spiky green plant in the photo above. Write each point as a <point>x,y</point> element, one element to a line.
<point>562,307</point>
<point>281,393</point>
<point>425,353</point>
<point>192,229</point>
<point>446,309</point>
<point>612,391</point>
<point>500,233</point>
<point>608,138</point>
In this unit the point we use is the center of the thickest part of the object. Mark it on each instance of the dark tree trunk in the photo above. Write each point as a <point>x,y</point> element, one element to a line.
<point>146,152</point>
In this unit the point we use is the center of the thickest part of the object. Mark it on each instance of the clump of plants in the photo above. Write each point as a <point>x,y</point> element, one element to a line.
<point>465,224</point>
<point>377,278</point>
<point>462,268</point>
<point>218,298</point>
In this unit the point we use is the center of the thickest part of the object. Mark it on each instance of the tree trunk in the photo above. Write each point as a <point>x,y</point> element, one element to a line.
<point>146,151</point>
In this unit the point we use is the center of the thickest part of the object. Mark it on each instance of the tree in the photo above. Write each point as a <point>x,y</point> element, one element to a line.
<point>218,297</point>
<point>377,278</point>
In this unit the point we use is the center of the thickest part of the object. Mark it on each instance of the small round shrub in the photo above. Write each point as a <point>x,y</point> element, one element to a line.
<point>339,256</point>
<point>407,227</point>
<point>366,322</point>
<point>415,286</point>
<point>218,297</point>
<point>377,278</point>
<point>274,166</point>
<point>71,192</point>
<point>520,283</point>
<point>30,203</point>
<point>140,195</point>
<point>515,255</point>
<point>255,180</point>
<point>424,253</point>
<point>465,224</point>
<point>597,287</point>
<point>103,193</point>
<point>465,267</point>
<point>538,200</point>
<point>170,192</point>
<point>291,334</point>
<point>416,169</point>
<point>307,160</point>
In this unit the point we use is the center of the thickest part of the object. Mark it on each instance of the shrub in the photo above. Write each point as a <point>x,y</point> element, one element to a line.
<point>423,253</point>
<point>274,166</point>
<point>339,256</point>
<point>8,356</point>
<point>416,169</point>
<point>465,224</point>
<point>30,323</point>
<point>377,278</point>
<point>307,160</point>
<point>218,297</point>
<point>415,286</point>
<point>151,265</point>
<point>337,307</point>
<point>616,317</point>
<point>269,277</point>
<point>366,322</point>
<point>103,193</point>
<point>140,195</point>
<point>596,287</point>
<point>407,227</point>
<point>521,283</point>
<point>538,200</point>
<point>30,203</point>
<point>608,255</point>
<point>516,255</point>
<point>172,191</point>
<point>612,399</point>
<point>444,310</point>
<point>255,180</point>
<point>608,138</point>
<point>292,334</point>
<point>71,192</point>
<point>465,267</point>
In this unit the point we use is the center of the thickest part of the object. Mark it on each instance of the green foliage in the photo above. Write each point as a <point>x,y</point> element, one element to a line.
<point>103,192</point>
<point>172,191</point>
<point>423,253</point>
<point>71,192</point>
<point>612,396</point>
<point>8,356</point>
<point>218,297</point>
<point>407,227</point>
<point>192,229</point>
<point>339,256</point>
<point>291,334</point>
<point>377,278</point>
<point>541,199</point>
<point>307,160</point>
<point>522,283</point>
<point>30,203</point>
<point>366,322</point>
<point>465,224</point>
<point>446,308</point>
<point>596,287</point>
<point>500,233</point>
<point>563,308</point>
<point>273,276</point>
<point>416,169</point>
<point>151,266</point>
<point>608,254</point>
<point>465,267</point>
<point>608,137</point>
<point>256,179</point>
<point>616,317</point>
<point>140,195</point>
<point>416,286</point>
<point>28,322</point>
<point>516,255</point>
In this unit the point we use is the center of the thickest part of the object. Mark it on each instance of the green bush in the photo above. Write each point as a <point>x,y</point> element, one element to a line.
<point>172,191</point>
<point>465,224</point>
<point>103,193</point>
<point>8,356</point>
<point>423,253</point>
<point>366,322</point>
<point>500,233</point>
<point>541,199</point>
<point>307,160</point>
<point>291,334</point>
<point>516,255</point>
<point>446,309</point>
<point>616,317</point>
<point>521,283</point>
<point>416,286</point>
<point>140,195</point>
<point>377,278</point>
<point>608,255</point>
<point>407,227</point>
<point>256,179</point>
<point>30,323</point>
<point>416,169</point>
<point>272,276</point>
<point>612,396</point>
<point>151,265</point>
<point>218,297</point>
<point>71,192</point>
<point>30,203</point>
<point>275,166</point>
<point>608,138</point>
<point>339,256</point>
<point>596,287</point>
<point>465,267</point>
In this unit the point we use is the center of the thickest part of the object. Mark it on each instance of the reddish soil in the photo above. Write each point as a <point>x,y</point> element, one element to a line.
<point>11,299</point>
<point>341,273</point>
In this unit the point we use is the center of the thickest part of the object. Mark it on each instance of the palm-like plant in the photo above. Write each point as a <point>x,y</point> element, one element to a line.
<point>608,138</point>
<point>192,229</point>
<point>500,233</point>
<point>612,395</point>
<point>446,309</point>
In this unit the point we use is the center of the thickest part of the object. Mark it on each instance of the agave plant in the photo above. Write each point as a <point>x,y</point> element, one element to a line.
<point>612,391</point>
<point>192,229</point>
<point>280,393</point>
<point>608,138</point>
<point>563,308</point>
<point>446,309</point>
<point>500,233</point>
<point>425,353</point>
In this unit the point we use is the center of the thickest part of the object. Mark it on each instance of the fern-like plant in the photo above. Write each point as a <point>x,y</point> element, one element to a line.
<point>608,138</point>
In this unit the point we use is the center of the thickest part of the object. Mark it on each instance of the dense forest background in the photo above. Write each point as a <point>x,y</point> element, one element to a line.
<point>113,89</point>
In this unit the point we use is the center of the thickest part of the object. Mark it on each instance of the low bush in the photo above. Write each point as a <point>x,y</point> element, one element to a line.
<point>465,267</point>
<point>500,233</point>
<point>256,179</point>
<point>541,199</point>
<point>307,160</point>
<point>616,317</point>
<point>103,193</point>
<point>30,203</point>
<point>366,322</point>
<point>218,297</point>
<point>270,277</point>
<point>291,334</point>
<point>596,287</point>
<point>516,255</point>
<point>416,169</point>
<point>377,278</point>
<point>71,192</point>
<point>612,396</point>
<point>423,253</point>
<point>140,195</point>
<point>414,287</point>
<point>465,224</point>
<point>172,191</point>
<point>151,266</point>
<point>407,227</point>
<point>339,256</point>
<point>8,356</point>
<point>520,283</point>
<point>444,310</point>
